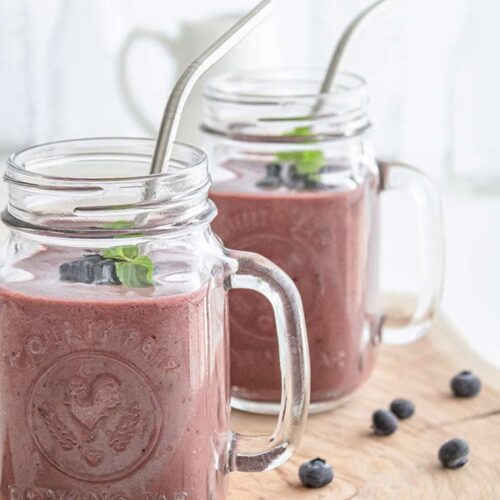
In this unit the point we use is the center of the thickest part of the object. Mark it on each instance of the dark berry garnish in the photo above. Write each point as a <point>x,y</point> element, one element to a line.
<point>402,408</point>
<point>296,180</point>
<point>273,178</point>
<point>384,422</point>
<point>269,183</point>
<point>454,453</point>
<point>293,175</point>
<point>316,473</point>
<point>273,169</point>
<point>90,269</point>
<point>312,182</point>
<point>293,179</point>
<point>465,384</point>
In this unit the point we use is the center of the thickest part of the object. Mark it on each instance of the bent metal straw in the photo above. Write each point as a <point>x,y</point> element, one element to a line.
<point>186,82</point>
<point>342,44</point>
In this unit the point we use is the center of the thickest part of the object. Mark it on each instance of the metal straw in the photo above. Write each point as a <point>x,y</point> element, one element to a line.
<point>186,82</point>
<point>341,46</point>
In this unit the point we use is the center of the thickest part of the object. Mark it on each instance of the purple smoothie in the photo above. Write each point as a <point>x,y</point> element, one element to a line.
<point>110,393</point>
<point>326,240</point>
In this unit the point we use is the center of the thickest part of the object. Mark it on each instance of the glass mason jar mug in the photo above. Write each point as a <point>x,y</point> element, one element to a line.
<point>114,377</point>
<point>296,180</point>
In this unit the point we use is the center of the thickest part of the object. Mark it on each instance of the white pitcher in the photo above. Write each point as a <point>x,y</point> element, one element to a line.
<point>259,49</point>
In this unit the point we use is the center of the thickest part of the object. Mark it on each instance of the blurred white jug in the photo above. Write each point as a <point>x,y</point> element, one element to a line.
<point>145,96</point>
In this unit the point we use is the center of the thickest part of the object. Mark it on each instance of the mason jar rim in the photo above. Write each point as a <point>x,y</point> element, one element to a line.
<point>270,105</point>
<point>44,196</point>
<point>50,151</point>
<point>218,88</point>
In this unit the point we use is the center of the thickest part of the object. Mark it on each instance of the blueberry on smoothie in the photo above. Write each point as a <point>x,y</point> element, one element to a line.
<point>465,384</point>
<point>316,473</point>
<point>273,178</point>
<point>454,453</point>
<point>291,178</point>
<point>312,182</point>
<point>384,423</point>
<point>402,408</point>
<point>90,269</point>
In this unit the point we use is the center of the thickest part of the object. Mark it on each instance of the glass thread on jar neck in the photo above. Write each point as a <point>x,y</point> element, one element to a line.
<point>95,188</point>
<point>268,106</point>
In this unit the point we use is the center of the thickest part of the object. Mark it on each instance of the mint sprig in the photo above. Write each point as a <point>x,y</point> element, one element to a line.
<point>133,270</point>
<point>307,163</point>
<point>119,224</point>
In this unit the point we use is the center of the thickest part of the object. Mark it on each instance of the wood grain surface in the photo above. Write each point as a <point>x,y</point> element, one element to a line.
<point>404,465</point>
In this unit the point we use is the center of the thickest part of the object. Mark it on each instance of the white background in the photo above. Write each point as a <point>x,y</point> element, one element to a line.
<point>432,68</point>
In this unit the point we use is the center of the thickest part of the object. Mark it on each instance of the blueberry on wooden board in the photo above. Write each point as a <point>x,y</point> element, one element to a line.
<point>316,473</point>
<point>402,408</point>
<point>465,384</point>
<point>454,453</point>
<point>384,423</point>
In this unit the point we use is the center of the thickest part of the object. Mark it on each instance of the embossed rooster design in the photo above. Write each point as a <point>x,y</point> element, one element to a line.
<point>92,404</point>
<point>126,429</point>
<point>57,427</point>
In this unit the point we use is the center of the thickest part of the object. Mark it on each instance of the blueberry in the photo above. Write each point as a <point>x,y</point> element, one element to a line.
<point>316,473</point>
<point>454,453</point>
<point>270,182</point>
<point>105,273</point>
<point>402,408</point>
<point>294,179</point>
<point>90,269</point>
<point>312,182</point>
<point>67,271</point>
<point>465,384</point>
<point>274,170</point>
<point>79,271</point>
<point>273,179</point>
<point>384,422</point>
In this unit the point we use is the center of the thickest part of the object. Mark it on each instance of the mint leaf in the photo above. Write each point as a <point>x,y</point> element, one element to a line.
<point>136,273</point>
<point>127,252</point>
<point>133,270</point>
<point>306,162</point>
<point>119,224</point>
<point>301,131</point>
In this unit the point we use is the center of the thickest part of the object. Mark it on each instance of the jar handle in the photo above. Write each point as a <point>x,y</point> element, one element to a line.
<point>398,176</point>
<point>261,453</point>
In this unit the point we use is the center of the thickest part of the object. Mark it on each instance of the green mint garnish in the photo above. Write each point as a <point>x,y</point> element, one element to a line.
<point>122,224</point>
<point>132,269</point>
<point>127,253</point>
<point>306,162</point>
<point>137,273</point>
<point>119,224</point>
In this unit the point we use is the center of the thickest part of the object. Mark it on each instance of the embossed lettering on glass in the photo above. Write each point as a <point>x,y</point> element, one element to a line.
<point>115,370</point>
<point>296,180</point>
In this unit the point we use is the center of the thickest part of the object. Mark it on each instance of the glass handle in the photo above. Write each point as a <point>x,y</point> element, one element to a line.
<point>396,176</point>
<point>261,453</point>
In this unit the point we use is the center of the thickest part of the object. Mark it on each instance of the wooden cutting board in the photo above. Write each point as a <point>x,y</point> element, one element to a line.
<point>404,465</point>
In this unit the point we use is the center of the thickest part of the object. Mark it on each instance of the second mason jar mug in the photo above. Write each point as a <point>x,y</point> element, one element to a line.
<point>296,180</point>
<point>114,382</point>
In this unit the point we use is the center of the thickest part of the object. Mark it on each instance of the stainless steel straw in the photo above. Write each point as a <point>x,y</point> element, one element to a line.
<point>341,46</point>
<point>186,82</point>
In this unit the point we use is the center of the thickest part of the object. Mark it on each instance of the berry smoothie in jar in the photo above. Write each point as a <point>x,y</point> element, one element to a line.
<point>295,179</point>
<point>114,375</point>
